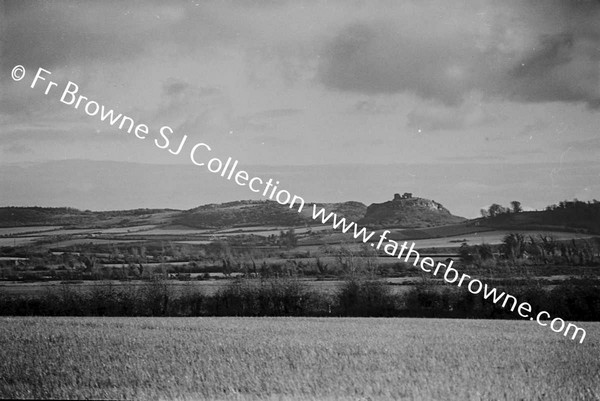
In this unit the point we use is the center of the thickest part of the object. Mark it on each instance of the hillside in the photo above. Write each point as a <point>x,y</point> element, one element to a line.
<point>402,212</point>
<point>261,213</point>
<point>23,216</point>
<point>569,216</point>
<point>351,210</point>
<point>407,211</point>
<point>66,216</point>
<point>230,214</point>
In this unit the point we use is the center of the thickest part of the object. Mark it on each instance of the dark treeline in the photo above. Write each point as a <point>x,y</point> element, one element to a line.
<point>291,297</point>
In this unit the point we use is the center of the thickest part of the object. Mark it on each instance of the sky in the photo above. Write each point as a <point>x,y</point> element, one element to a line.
<point>472,102</point>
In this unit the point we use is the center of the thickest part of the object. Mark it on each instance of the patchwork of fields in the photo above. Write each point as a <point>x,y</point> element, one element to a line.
<point>294,358</point>
<point>437,237</point>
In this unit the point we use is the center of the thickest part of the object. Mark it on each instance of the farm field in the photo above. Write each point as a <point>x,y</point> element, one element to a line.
<point>451,236</point>
<point>199,242</point>
<point>18,241</point>
<point>492,238</point>
<point>206,287</point>
<point>122,230</point>
<point>166,231</point>
<point>83,241</point>
<point>294,358</point>
<point>7,231</point>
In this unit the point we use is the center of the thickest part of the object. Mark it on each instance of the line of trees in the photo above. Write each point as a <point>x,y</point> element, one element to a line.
<point>535,250</point>
<point>572,300</point>
<point>496,209</point>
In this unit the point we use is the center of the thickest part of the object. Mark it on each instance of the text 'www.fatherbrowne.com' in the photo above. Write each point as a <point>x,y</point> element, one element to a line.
<point>199,153</point>
<point>407,252</point>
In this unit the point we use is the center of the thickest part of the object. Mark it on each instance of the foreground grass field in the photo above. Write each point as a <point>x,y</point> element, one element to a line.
<point>294,358</point>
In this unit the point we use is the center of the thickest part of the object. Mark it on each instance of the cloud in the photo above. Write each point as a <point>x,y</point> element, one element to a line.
<point>510,50</point>
<point>80,34</point>
<point>563,67</point>
<point>477,158</point>
<point>376,58</point>
<point>372,106</point>
<point>276,113</point>
<point>436,50</point>
<point>263,121</point>
<point>68,133</point>
<point>190,108</point>
<point>274,140</point>
<point>57,34</point>
<point>17,149</point>
<point>438,117</point>
<point>534,128</point>
<point>585,145</point>
<point>354,69</point>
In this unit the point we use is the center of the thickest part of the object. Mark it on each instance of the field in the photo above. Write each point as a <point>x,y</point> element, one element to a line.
<point>294,358</point>
<point>436,237</point>
<point>8,231</point>
<point>206,287</point>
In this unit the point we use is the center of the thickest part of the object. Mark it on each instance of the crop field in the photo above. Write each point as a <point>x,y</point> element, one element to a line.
<point>206,287</point>
<point>168,231</point>
<point>7,231</point>
<point>432,238</point>
<point>18,241</point>
<point>83,241</point>
<point>122,230</point>
<point>199,242</point>
<point>294,358</point>
<point>266,231</point>
<point>70,231</point>
<point>492,238</point>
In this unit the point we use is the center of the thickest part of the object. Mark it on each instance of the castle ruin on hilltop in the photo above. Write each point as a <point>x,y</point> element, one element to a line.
<point>406,195</point>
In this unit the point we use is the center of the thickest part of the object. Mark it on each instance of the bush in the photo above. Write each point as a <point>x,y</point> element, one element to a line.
<point>269,297</point>
<point>572,300</point>
<point>359,297</point>
<point>153,299</point>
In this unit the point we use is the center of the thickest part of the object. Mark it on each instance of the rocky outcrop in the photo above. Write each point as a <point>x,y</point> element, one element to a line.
<point>407,211</point>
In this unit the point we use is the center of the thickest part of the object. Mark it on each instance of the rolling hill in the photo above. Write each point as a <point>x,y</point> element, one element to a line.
<point>575,216</point>
<point>66,216</point>
<point>430,218</point>
<point>407,211</point>
<point>262,213</point>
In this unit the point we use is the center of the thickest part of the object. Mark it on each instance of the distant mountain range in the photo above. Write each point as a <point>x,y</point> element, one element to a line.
<point>408,212</point>
<point>403,211</point>
<point>399,213</point>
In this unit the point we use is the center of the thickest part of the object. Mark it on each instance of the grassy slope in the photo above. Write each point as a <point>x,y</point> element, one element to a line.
<point>263,213</point>
<point>231,214</point>
<point>585,218</point>
<point>287,358</point>
<point>36,216</point>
